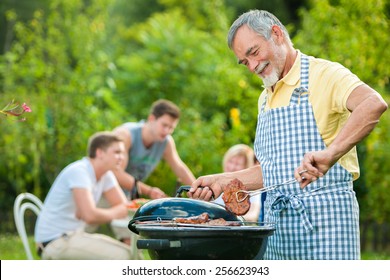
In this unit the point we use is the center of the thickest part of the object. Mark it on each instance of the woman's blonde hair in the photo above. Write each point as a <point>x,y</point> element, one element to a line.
<point>239,150</point>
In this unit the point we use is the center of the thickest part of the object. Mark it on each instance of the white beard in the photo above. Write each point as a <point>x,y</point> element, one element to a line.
<point>271,79</point>
<point>280,56</point>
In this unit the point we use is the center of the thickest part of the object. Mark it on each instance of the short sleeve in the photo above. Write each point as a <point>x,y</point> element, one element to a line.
<point>108,181</point>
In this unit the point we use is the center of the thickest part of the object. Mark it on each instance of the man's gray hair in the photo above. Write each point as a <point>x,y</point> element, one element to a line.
<point>259,21</point>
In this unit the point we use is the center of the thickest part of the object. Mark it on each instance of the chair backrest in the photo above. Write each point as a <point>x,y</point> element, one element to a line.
<point>23,202</point>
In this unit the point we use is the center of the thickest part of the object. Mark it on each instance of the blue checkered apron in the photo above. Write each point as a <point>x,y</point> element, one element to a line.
<point>320,221</point>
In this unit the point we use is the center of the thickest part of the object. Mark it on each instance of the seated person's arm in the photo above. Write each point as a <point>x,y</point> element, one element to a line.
<point>87,210</point>
<point>115,196</point>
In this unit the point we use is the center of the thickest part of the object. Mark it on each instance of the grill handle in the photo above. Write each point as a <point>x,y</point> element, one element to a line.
<point>157,244</point>
<point>186,189</point>
<point>182,189</point>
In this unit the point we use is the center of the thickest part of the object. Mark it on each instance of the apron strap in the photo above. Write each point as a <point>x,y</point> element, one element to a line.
<point>299,96</point>
<point>304,71</point>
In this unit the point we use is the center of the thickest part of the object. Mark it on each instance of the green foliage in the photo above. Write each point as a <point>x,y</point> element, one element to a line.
<point>285,10</point>
<point>376,166</point>
<point>204,15</point>
<point>352,32</point>
<point>177,60</point>
<point>63,73</point>
<point>76,84</point>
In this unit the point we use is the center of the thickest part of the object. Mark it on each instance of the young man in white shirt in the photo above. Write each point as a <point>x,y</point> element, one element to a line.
<point>71,205</point>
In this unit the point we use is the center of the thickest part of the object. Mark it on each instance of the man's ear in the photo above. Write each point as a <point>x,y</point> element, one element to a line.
<point>98,152</point>
<point>151,118</point>
<point>277,34</point>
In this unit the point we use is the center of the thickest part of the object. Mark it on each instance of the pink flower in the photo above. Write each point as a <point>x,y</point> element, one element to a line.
<point>14,109</point>
<point>26,108</point>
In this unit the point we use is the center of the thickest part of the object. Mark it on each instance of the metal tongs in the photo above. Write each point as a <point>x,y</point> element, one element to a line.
<point>245,194</point>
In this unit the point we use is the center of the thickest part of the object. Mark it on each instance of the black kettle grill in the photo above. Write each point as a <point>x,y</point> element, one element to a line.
<point>166,239</point>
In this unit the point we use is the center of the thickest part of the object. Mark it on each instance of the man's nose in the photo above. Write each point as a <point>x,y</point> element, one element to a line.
<point>252,64</point>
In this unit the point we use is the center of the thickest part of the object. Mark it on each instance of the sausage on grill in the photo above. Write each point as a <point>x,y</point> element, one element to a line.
<point>201,219</point>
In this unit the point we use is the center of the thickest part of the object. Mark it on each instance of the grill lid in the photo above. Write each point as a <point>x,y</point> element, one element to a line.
<point>177,207</point>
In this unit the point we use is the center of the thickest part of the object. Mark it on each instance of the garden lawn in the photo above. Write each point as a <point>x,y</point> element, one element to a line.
<point>11,248</point>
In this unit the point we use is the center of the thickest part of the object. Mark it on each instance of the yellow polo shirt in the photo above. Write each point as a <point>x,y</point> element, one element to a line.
<point>330,84</point>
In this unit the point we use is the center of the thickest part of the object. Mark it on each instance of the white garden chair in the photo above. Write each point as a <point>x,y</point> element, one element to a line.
<point>23,202</point>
